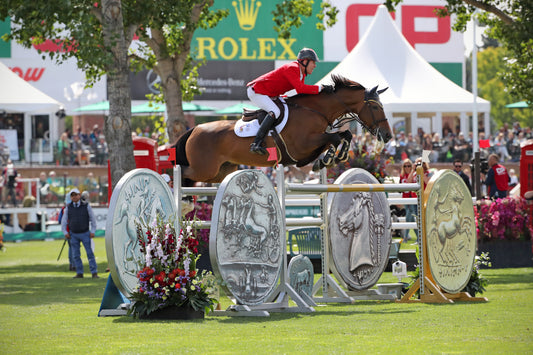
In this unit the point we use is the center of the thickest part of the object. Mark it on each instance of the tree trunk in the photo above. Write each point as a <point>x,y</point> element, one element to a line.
<point>170,72</point>
<point>117,127</point>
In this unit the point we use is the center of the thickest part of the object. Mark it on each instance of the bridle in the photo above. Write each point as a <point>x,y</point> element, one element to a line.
<point>374,129</point>
<point>342,119</point>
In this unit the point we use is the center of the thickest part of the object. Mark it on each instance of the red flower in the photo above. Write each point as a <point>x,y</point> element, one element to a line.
<point>192,274</point>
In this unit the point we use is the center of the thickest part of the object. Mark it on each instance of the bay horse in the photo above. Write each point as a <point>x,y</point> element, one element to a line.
<point>210,151</point>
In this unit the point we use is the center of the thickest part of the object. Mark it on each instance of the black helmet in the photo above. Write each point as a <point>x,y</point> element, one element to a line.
<point>307,53</point>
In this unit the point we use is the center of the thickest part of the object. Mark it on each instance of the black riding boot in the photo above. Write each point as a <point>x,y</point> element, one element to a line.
<point>257,146</point>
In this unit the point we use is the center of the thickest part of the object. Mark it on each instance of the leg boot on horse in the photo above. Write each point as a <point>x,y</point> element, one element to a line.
<point>257,146</point>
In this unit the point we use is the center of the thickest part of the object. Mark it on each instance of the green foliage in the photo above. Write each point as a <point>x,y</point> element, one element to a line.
<point>477,283</point>
<point>288,15</point>
<point>511,23</point>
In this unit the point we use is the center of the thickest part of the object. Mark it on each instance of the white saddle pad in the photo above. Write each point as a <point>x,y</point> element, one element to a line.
<point>250,128</point>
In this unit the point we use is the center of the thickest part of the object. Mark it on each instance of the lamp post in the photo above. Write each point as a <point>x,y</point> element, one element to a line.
<point>475,145</point>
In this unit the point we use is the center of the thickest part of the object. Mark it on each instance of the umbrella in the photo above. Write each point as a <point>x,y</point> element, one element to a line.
<point>520,104</point>
<point>160,108</point>
<point>99,106</point>
<point>236,109</point>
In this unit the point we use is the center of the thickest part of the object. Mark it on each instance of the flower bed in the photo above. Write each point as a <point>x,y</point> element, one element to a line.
<point>504,231</point>
<point>168,276</point>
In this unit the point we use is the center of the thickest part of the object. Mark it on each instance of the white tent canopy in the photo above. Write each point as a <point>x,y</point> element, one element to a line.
<point>17,95</point>
<point>384,57</point>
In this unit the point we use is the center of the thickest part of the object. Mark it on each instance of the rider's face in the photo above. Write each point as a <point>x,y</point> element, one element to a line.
<point>311,65</point>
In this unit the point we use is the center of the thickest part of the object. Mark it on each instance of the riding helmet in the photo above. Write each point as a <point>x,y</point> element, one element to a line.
<point>307,53</point>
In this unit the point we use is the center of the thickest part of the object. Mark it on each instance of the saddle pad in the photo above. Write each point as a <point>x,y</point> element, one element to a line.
<point>249,129</point>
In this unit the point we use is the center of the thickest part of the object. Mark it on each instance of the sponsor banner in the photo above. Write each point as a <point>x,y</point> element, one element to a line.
<point>64,83</point>
<point>8,138</point>
<point>218,80</point>
<point>431,36</point>
<point>248,34</point>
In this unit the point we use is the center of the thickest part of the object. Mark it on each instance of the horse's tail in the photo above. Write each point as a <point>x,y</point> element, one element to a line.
<point>181,155</point>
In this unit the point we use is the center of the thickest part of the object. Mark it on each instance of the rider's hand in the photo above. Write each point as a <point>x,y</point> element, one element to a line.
<point>328,89</point>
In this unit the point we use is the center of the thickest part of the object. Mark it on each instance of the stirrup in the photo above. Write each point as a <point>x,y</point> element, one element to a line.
<point>257,149</point>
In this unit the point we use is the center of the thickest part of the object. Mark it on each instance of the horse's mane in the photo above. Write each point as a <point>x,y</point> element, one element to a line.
<point>341,82</point>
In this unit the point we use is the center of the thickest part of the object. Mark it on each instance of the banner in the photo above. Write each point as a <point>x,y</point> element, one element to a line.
<point>8,138</point>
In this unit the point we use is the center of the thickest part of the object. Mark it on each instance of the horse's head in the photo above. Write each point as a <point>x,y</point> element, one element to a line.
<point>368,108</point>
<point>373,115</point>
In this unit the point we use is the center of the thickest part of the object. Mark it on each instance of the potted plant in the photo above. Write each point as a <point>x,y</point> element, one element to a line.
<point>504,230</point>
<point>170,286</point>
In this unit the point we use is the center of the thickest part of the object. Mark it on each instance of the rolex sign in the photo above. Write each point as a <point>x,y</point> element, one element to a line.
<point>248,34</point>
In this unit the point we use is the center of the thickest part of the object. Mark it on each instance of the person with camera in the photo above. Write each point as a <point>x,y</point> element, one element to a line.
<point>497,178</point>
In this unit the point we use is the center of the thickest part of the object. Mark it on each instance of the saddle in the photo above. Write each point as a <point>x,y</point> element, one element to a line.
<point>250,115</point>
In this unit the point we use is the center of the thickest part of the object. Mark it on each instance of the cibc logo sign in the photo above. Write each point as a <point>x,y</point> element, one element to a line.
<point>30,74</point>
<point>410,14</point>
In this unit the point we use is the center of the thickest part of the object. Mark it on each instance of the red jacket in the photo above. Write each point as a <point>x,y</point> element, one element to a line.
<point>280,80</point>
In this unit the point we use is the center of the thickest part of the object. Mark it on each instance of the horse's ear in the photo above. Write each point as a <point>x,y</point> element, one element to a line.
<point>373,91</point>
<point>382,90</point>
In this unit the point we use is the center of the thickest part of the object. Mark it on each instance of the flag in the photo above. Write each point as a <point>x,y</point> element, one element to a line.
<point>425,156</point>
<point>484,143</point>
<point>272,154</point>
<point>172,154</point>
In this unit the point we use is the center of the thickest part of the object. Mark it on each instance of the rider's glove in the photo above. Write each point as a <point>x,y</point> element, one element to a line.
<point>328,89</point>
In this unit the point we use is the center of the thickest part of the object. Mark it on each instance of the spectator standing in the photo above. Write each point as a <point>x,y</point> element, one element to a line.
<point>458,168</point>
<point>169,181</point>
<point>79,218</point>
<point>101,151</point>
<point>497,179</point>
<point>513,179</point>
<point>10,178</point>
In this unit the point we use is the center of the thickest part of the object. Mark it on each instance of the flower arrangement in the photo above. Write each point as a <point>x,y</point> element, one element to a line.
<point>505,218</point>
<point>168,275</point>
<point>202,211</point>
<point>374,163</point>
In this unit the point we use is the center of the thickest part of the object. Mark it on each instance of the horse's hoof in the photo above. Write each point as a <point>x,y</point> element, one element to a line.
<point>317,166</point>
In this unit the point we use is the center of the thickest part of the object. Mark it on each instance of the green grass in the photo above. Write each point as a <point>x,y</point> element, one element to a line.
<point>44,311</point>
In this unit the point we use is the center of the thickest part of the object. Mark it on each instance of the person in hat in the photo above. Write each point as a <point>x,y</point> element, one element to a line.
<point>169,181</point>
<point>79,218</point>
<point>277,82</point>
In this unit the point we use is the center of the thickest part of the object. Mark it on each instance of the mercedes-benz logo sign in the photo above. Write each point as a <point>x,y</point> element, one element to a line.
<point>151,80</point>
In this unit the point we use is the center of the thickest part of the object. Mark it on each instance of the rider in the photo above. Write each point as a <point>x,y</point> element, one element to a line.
<point>277,82</point>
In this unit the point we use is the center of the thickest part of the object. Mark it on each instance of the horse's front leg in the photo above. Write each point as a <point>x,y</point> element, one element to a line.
<point>342,152</point>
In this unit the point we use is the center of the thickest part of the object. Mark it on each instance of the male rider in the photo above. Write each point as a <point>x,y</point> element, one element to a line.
<point>277,82</point>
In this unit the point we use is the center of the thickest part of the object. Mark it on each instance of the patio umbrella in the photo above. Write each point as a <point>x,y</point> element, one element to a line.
<point>520,104</point>
<point>236,109</point>
<point>99,106</point>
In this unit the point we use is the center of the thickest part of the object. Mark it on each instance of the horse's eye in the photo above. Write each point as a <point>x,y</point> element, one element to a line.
<point>375,107</point>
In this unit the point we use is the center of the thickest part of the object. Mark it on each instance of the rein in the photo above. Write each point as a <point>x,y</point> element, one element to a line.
<point>352,115</point>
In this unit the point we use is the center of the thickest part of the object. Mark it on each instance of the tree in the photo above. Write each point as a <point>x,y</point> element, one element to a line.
<point>99,35</point>
<point>511,23</point>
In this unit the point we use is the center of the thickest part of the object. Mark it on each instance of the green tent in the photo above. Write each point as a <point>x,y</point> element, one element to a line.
<point>160,108</point>
<point>520,104</point>
<point>99,106</point>
<point>236,109</point>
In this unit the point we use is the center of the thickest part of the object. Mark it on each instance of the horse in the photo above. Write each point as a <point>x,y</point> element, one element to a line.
<point>211,151</point>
